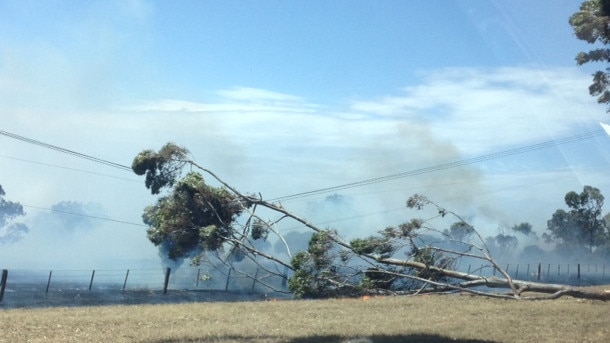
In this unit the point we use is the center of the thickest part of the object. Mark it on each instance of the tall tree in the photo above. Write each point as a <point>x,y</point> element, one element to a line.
<point>10,232</point>
<point>583,225</point>
<point>592,24</point>
<point>459,231</point>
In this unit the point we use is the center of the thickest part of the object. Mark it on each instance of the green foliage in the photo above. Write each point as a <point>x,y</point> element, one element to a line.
<point>524,228</point>
<point>260,229</point>
<point>404,230</point>
<point>161,168</point>
<point>327,269</point>
<point>592,24</point>
<point>417,201</point>
<point>432,258</point>
<point>193,217</point>
<point>9,210</point>
<point>377,278</point>
<point>583,225</point>
<point>302,283</point>
<point>314,269</point>
<point>459,231</point>
<point>506,243</point>
<point>373,246</point>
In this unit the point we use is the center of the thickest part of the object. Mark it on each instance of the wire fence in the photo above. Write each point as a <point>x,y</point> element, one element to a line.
<point>32,288</point>
<point>572,274</point>
<point>26,287</point>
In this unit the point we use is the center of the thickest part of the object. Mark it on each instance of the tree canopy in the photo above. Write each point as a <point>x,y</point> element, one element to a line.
<point>583,226</point>
<point>10,231</point>
<point>592,24</point>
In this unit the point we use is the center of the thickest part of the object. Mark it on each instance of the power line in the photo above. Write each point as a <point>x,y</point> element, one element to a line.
<point>84,215</point>
<point>449,165</point>
<point>68,168</point>
<point>65,151</point>
<point>439,167</point>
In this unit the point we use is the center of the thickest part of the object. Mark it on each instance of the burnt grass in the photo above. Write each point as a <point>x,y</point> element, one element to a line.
<point>25,296</point>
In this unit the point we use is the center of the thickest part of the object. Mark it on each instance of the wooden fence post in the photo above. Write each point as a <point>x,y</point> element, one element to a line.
<point>168,270</point>
<point>254,281</point>
<point>48,282</point>
<point>539,267</point>
<point>198,275</point>
<point>126,276</point>
<point>92,276</point>
<point>3,283</point>
<point>227,284</point>
<point>578,272</point>
<point>285,277</point>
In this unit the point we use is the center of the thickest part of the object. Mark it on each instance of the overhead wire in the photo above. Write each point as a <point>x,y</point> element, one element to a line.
<point>84,215</point>
<point>64,150</point>
<point>449,165</point>
<point>68,168</point>
<point>439,167</point>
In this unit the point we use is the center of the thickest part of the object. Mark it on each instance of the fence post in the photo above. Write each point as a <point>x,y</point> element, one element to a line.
<point>125,283</point>
<point>254,281</point>
<point>3,283</point>
<point>517,271</point>
<point>198,274</point>
<point>539,267</point>
<point>166,281</point>
<point>527,273</point>
<point>285,277</point>
<point>227,284</point>
<point>48,282</point>
<point>578,271</point>
<point>92,276</point>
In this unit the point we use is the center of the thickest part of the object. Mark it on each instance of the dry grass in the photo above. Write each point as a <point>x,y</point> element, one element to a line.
<point>448,318</point>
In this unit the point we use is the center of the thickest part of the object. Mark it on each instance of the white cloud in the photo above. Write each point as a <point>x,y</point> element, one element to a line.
<point>257,95</point>
<point>483,110</point>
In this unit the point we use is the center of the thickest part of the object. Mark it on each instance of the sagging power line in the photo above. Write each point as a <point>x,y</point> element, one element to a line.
<point>449,165</point>
<point>64,150</point>
<point>439,167</point>
<point>85,215</point>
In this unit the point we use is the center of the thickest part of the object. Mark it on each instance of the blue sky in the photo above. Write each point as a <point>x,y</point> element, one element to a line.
<point>283,97</point>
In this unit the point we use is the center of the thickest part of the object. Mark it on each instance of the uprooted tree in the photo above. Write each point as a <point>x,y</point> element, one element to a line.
<point>193,219</point>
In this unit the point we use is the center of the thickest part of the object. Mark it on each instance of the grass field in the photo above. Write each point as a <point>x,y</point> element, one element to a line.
<point>432,318</point>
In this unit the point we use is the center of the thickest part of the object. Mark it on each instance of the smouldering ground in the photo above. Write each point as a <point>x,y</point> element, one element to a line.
<point>433,318</point>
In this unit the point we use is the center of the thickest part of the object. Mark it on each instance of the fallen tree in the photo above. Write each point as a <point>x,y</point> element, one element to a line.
<point>198,221</point>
